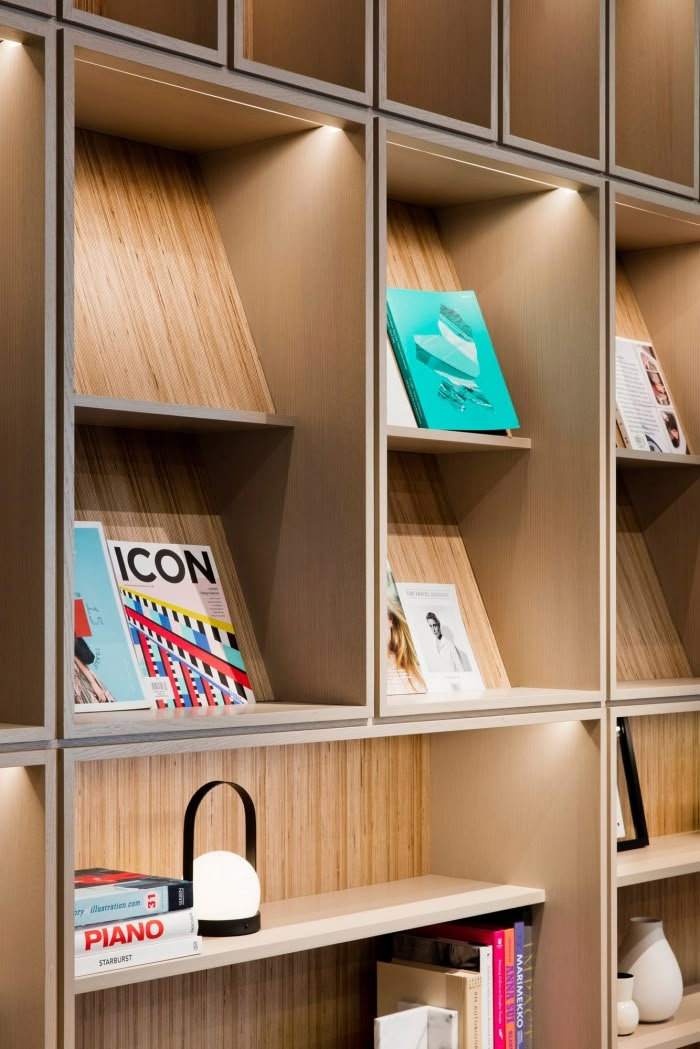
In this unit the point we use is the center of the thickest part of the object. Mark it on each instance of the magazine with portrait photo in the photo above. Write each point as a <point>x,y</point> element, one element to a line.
<point>646,414</point>
<point>403,672</point>
<point>444,650</point>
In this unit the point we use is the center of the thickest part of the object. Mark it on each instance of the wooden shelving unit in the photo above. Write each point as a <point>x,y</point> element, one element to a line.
<point>240,181</point>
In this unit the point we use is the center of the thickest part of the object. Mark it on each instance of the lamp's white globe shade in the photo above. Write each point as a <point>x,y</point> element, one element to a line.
<point>226,887</point>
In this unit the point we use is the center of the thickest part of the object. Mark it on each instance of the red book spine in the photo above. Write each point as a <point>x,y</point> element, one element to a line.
<point>488,938</point>
<point>509,976</point>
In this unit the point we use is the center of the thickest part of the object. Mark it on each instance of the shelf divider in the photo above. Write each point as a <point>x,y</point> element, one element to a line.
<point>668,856</point>
<point>152,415</point>
<point>631,459</point>
<point>408,439</point>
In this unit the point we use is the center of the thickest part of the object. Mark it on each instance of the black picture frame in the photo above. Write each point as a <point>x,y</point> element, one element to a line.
<point>625,750</point>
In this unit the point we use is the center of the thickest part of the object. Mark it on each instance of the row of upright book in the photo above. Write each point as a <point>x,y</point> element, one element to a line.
<point>124,919</point>
<point>481,969</point>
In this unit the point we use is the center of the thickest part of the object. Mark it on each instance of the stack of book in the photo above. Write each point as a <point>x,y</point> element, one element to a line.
<point>124,919</point>
<point>482,969</point>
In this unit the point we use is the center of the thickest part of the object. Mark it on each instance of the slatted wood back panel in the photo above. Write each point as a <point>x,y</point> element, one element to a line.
<point>195,22</point>
<point>321,999</point>
<point>150,487</point>
<point>158,316</point>
<point>424,542</point>
<point>330,816</point>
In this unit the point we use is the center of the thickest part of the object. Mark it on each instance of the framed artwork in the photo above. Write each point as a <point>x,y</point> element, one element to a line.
<point>631,822</point>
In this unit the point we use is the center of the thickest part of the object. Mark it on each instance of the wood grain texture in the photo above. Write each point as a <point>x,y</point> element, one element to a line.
<point>439,57</point>
<point>302,268</point>
<point>330,816</point>
<point>666,747</point>
<point>158,316</point>
<point>648,644</point>
<point>195,22</point>
<point>149,487</point>
<point>425,547</point>
<point>554,99</point>
<point>24,996</point>
<point>24,470</point>
<point>309,37</point>
<point>534,524</point>
<point>655,88</point>
<point>314,1000</point>
<point>551,776</point>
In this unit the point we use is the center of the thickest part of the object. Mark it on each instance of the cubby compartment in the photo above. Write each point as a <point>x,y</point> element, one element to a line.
<point>192,27</point>
<point>27,839</point>
<point>27,296</point>
<point>654,93</point>
<point>308,43</point>
<point>355,840</point>
<point>481,511</point>
<point>218,238</point>
<point>663,879</point>
<point>439,62</point>
<point>555,104</point>
<point>657,267</point>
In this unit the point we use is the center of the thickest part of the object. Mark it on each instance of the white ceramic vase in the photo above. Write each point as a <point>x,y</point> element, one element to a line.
<point>658,984</point>
<point>627,1011</point>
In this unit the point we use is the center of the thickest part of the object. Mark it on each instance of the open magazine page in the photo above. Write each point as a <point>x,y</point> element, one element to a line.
<point>647,417</point>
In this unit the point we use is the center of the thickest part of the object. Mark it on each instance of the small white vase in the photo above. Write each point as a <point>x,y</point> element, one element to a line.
<point>658,984</point>
<point>627,1011</point>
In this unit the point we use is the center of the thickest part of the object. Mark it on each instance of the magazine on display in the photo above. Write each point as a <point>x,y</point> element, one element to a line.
<point>179,624</point>
<point>444,651</point>
<point>404,676</point>
<point>105,671</point>
<point>449,368</point>
<point>646,415</point>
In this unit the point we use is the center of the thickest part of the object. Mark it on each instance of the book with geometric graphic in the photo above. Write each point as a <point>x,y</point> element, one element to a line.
<point>447,362</point>
<point>179,624</point>
<point>106,674</point>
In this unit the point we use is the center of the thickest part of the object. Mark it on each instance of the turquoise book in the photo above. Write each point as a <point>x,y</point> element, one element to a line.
<point>447,362</point>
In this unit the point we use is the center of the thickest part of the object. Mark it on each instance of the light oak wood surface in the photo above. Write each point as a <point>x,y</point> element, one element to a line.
<point>196,23</point>
<point>312,922</point>
<point>682,1030</point>
<point>557,99</point>
<point>669,856</point>
<point>154,415</point>
<point>451,71</point>
<point>655,90</point>
<point>154,291</point>
<point>408,439</point>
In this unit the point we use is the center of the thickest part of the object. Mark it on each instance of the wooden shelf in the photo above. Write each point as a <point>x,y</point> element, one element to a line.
<point>670,856</point>
<point>630,459</point>
<point>151,415</point>
<point>682,1030</point>
<point>408,439</point>
<point>661,688</point>
<point>209,719</point>
<point>510,699</point>
<point>311,922</point>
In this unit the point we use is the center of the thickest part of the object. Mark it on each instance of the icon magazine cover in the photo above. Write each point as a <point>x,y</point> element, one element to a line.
<point>179,624</point>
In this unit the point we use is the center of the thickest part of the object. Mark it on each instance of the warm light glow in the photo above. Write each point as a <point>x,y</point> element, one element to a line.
<point>335,130</point>
<point>12,43</point>
<point>566,189</point>
<point>226,887</point>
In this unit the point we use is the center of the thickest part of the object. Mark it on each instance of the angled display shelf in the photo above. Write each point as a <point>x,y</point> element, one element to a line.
<point>394,855</point>
<point>27,429</point>
<point>455,220</point>
<point>193,307</point>
<point>437,85</point>
<point>656,269</point>
<point>555,105</point>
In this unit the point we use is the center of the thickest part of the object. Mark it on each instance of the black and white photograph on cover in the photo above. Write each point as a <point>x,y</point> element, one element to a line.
<point>444,650</point>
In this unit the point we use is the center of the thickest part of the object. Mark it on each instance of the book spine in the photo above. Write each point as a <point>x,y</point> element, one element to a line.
<point>474,1003</point>
<point>528,977</point>
<point>143,954</point>
<point>408,382</point>
<point>509,951</point>
<point>486,969</point>
<point>108,906</point>
<point>171,925</point>
<point>519,929</point>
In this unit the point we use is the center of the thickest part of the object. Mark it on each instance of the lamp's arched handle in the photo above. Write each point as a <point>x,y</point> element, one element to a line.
<point>191,815</point>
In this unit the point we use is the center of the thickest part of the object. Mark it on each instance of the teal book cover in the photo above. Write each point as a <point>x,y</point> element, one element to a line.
<point>447,361</point>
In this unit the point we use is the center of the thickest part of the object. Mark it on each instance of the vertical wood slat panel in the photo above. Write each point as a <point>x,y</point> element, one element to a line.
<point>158,314</point>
